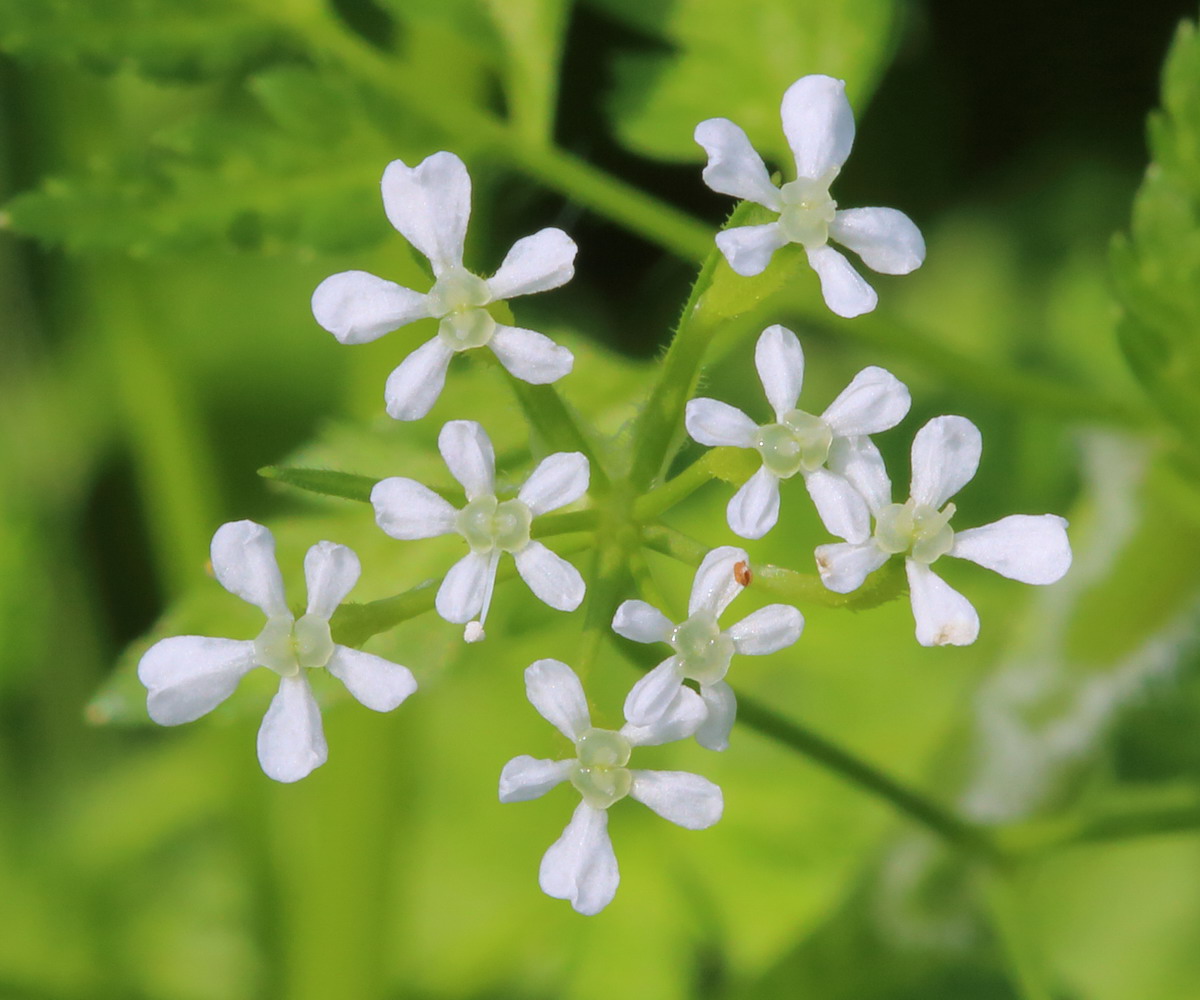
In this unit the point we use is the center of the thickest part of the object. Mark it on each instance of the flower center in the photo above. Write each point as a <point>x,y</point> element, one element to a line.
<point>919,529</point>
<point>800,443</point>
<point>807,211</point>
<point>285,645</point>
<point>704,652</point>
<point>600,775</point>
<point>488,524</point>
<point>458,298</point>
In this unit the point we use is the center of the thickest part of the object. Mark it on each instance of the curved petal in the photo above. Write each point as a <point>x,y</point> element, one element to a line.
<point>461,595</point>
<point>357,307</point>
<point>525,777</point>
<point>715,583</point>
<point>860,462</point>
<point>754,509</point>
<point>430,205</point>
<point>559,479</point>
<point>415,384</point>
<point>767,630</point>
<point>844,290</point>
<point>734,167</point>
<point>874,401</point>
<point>243,561</point>
<point>720,713</point>
<point>748,249</point>
<point>406,509</point>
<point>945,456</point>
<point>840,506</point>
<point>714,423</point>
<point>187,676</point>
<point>1029,548</point>
<point>819,125</point>
<point>291,742</point>
<point>686,799</point>
<point>552,579</point>
<point>640,622</point>
<point>580,865</point>
<point>554,690</point>
<point>467,451</point>
<point>330,571</point>
<point>373,681</point>
<point>780,363</point>
<point>530,356</point>
<point>535,263</point>
<point>681,719</point>
<point>943,616</point>
<point>844,566</point>
<point>654,694</point>
<point>887,240</point>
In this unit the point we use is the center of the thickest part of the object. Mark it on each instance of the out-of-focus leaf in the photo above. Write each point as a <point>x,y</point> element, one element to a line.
<point>325,482</point>
<point>532,32</point>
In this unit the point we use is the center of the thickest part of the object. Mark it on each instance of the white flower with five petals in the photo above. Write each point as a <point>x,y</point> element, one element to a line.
<point>819,126</point>
<point>406,509</point>
<point>580,866</point>
<point>703,650</point>
<point>798,442</point>
<point>945,455</point>
<point>188,676</point>
<point>430,204</point>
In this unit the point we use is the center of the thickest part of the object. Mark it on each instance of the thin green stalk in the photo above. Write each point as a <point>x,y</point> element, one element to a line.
<point>1025,962</point>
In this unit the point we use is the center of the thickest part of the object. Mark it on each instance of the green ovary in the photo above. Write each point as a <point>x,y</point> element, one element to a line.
<point>600,775</point>
<point>920,530</point>
<point>458,299</point>
<point>807,212</point>
<point>704,652</point>
<point>487,524</point>
<point>285,645</point>
<point>800,443</point>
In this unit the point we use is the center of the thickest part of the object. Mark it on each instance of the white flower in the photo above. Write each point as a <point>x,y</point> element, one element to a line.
<point>798,442</point>
<point>580,865</point>
<point>945,455</point>
<point>819,126</point>
<point>430,204</point>
<point>405,509</point>
<point>702,650</point>
<point>188,676</point>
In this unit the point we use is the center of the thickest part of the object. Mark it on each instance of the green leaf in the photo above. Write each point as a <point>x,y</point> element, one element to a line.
<point>532,33</point>
<point>325,482</point>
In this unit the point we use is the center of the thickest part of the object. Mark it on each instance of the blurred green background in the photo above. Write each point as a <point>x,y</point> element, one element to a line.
<point>178,177</point>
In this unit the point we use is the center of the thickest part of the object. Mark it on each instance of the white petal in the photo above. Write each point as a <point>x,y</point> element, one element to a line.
<point>945,455</point>
<point>535,263</point>
<point>415,384</point>
<point>840,506</point>
<point>640,622</point>
<point>559,479</point>
<point>874,401</point>
<point>681,719</point>
<point>943,616</point>
<point>461,595</point>
<point>552,579</point>
<point>530,356</point>
<point>291,742</point>
<point>780,363</point>
<point>430,204</point>
<point>373,681</point>
<point>467,452</point>
<point>887,240</point>
<point>754,509</point>
<point>843,287</point>
<point>844,567</point>
<point>1032,549</point>
<point>819,125</point>
<point>748,249</point>
<point>406,509</point>
<point>525,777</point>
<point>580,865</point>
<point>767,630</point>
<point>734,167</point>
<point>715,583</point>
<point>187,676</point>
<point>330,571</point>
<point>243,560</point>
<point>715,424</point>
<point>687,799</point>
<point>357,307</point>
<point>720,707</point>
<point>654,694</point>
<point>554,690</point>
<point>860,462</point>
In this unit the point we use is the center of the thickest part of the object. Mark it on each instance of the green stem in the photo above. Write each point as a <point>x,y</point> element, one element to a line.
<point>663,498</point>
<point>1012,929</point>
